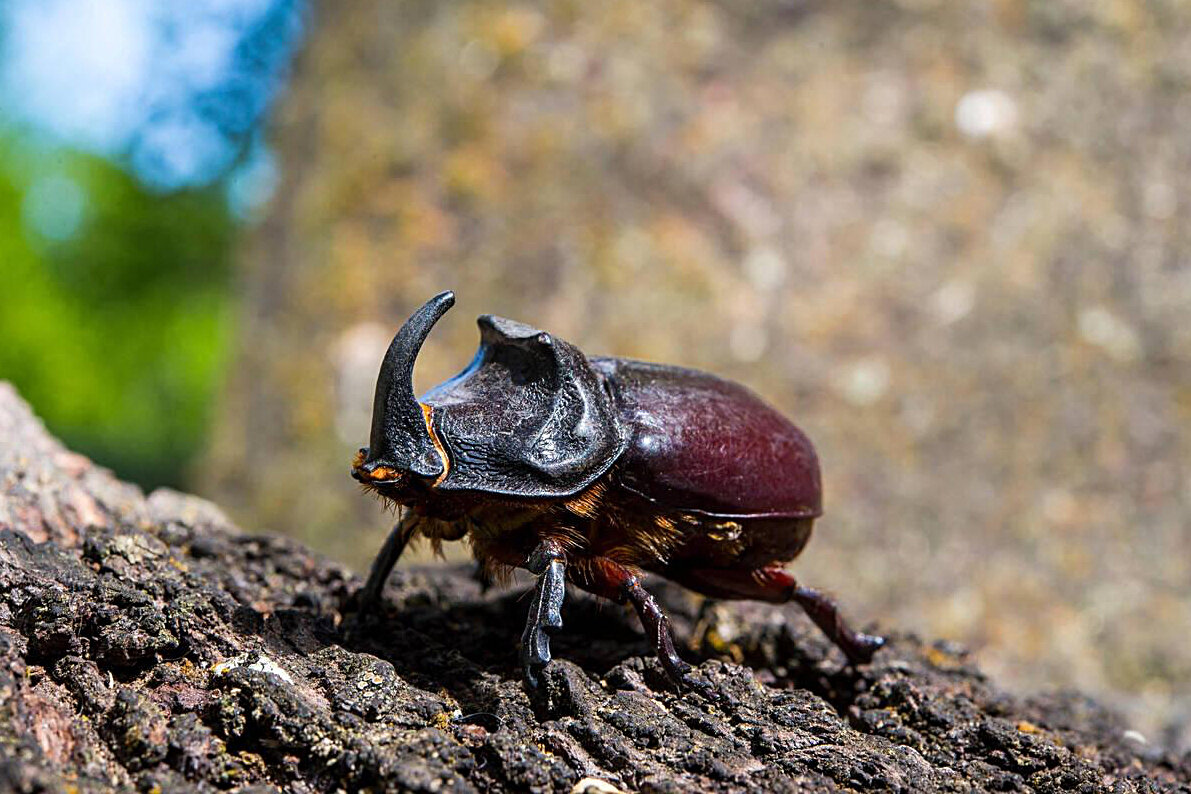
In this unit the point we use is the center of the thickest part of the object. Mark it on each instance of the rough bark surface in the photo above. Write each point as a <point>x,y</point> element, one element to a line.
<point>149,644</point>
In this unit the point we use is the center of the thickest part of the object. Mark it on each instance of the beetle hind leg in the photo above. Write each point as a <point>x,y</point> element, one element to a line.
<point>778,586</point>
<point>857,646</point>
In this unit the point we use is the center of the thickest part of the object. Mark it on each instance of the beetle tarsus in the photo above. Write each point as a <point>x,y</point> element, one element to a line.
<point>545,609</point>
<point>866,645</point>
<point>368,598</point>
<point>857,647</point>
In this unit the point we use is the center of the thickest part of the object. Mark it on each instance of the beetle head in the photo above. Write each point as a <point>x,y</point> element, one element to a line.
<point>401,448</point>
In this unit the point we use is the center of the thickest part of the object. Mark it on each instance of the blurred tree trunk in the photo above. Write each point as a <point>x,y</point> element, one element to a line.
<point>944,236</point>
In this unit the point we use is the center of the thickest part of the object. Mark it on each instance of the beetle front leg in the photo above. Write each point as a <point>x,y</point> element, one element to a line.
<point>548,563</point>
<point>368,598</point>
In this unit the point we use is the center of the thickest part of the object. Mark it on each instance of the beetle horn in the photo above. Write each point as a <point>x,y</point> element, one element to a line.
<point>399,436</point>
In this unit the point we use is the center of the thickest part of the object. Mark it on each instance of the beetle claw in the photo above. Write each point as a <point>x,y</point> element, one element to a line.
<point>682,675</point>
<point>862,648</point>
<point>697,684</point>
<point>531,675</point>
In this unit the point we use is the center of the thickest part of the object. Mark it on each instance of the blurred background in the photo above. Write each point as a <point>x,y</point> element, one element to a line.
<point>949,237</point>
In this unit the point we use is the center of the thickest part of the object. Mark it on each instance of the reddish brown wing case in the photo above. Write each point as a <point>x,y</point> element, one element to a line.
<point>702,444</point>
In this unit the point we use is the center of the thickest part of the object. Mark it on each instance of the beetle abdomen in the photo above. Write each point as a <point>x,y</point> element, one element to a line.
<point>700,443</point>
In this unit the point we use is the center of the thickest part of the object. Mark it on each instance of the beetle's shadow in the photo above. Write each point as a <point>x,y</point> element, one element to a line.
<point>439,629</point>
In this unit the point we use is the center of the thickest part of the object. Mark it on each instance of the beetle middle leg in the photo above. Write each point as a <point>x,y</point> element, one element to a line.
<point>613,581</point>
<point>778,586</point>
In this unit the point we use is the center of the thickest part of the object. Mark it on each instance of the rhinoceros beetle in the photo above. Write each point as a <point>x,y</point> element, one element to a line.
<point>592,470</point>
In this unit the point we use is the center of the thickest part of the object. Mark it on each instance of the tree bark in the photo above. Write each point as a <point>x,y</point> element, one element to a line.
<point>147,643</point>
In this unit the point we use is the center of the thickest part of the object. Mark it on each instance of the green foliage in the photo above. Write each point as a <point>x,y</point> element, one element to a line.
<point>119,334</point>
